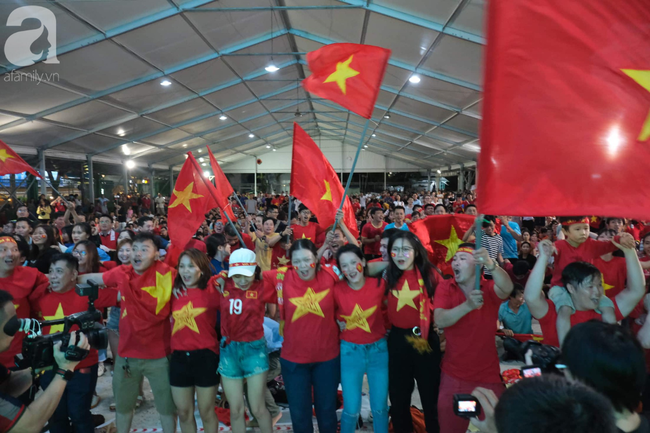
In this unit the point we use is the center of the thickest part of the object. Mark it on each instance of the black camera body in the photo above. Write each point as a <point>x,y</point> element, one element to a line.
<point>38,350</point>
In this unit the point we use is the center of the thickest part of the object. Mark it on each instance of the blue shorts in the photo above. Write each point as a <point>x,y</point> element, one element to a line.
<point>242,359</point>
<point>114,319</point>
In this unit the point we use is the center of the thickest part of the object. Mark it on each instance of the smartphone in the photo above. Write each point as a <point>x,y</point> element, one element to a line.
<point>530,371</point>
<point>466,406</point>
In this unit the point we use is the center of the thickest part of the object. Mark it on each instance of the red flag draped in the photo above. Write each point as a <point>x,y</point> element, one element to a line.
<point>11,163</point>
<point>315,183</point>
<point>566,118</point>
<point>224,189</point>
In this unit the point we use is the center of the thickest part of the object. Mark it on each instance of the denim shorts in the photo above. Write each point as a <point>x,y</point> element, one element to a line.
<point>241,359</point>
<point>114,319</point>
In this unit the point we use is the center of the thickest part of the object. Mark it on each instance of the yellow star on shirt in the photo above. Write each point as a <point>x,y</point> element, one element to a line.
<point>358,318</point>
<point>451,243</point>
<point>124,313</point>
<point>16,306</point>
<point>185,318</point>
<point>328,192</point>
<point>4,155</point>
<point>305,237</point>
<point>606,286</point>
<point>283,261</point>
<point>343,72</point>
<point>162,291</point>
<point>643,79</point>
<point>184,197</point>
<point>405,296</point>
<point>59,314</point>
<point>309,303</point>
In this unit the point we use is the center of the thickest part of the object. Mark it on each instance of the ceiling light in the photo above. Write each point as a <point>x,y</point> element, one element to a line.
<point>374,135</point>
<point>201,159</point>
<point>121,132</point>
<point>386,116</point>
<point>472,147</point>
<point>439,171</point>
<point>223,117</point>
<point>415,79</point>
<point>165,83</point>
<point>126,150</point>
<point>268,146</point>
<point>251,135</point>
<point>184,144</point>
<point>200,150</point>
<point>365,145</point>
<point>274,149</point>
<point>130,163</point>
<point>206,174</point>
<point>204,164</point>
<point>271,68</point>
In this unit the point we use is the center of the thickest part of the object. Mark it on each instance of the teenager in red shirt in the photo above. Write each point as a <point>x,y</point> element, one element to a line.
<point>468,317</point>
<point>194,342</point>
<point>371,234</point>
<point>243,299</point>
<point>335,240</point>
<point>305,229</point>
<point>359,312</point>
<point>310,353</point>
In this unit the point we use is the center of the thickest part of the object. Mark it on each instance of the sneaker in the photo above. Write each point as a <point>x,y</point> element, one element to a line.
<point>101,369</point>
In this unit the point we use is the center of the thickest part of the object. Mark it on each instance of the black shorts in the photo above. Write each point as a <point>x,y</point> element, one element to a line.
<point>194,368</point>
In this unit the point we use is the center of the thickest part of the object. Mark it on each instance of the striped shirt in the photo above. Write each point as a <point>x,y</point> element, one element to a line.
<point>494,246</point>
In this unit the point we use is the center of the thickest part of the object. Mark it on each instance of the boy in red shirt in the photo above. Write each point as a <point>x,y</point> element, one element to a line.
<point>305,229</point>
<point>371,234</point>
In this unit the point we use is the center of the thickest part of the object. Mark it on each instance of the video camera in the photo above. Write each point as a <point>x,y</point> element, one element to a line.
<point>38,350</point>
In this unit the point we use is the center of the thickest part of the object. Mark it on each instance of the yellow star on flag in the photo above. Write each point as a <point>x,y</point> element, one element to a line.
<point>162,291</point>
<point>358,318</point>
<point>124,313</point>
<point>4,155</point>
<point>451,243</point>
<point>184,197</point>
<point>594,219</point>
<point>59,314</point>
<point>283,261</point>
<point>185,318</point>
<point>405,296</point>
<point>606,286</point>
<point>343,72</point>
<point>328,192</point>
<point>309,303</point>
<point>643,79</point>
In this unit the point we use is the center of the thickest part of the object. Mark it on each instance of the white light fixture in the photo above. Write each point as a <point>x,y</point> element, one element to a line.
<point>204,164</point>
<point>223,117</point>
<point>268,146</point>
<point>200,150</point>
<point>126,150</point>
<point>201,159</point>
<point>206,174</point>
<point>472,147</point>
<point>130,164</point>
<point>165,83</point>
<point>386,116</point>
<point>374,135</point>
<point>184,144</point>
<point>271,68</point>
<point>121,132</point>
<point>439,171</point>
<point>274,149</point>
<point>186,156</point>
<point>415,79</point>
<point>365,145</point>
<point>251,135</point>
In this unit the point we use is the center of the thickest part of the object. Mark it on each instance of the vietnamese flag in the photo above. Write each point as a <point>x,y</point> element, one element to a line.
<point>224,189</point>
<point>189,203</point>
<point>348,74</point>
<point>11,163</point>
<point>441,235</point>
<point>566,116</point>
<point>315,183</point>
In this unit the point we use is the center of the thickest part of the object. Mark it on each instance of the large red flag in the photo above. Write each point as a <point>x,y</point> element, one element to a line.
<point>189,203</point>
<point>348,74</point>
<point>441,235</point>
<point>566,116</point>
<point>224,189</point>
<point>315,183</point>
<point>11,163</point>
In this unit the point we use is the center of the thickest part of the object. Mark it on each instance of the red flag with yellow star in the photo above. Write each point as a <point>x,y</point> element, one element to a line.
<point>566,113</point>
<point>189,203</point>
<point>11,163</point>
<point>348,74</point>
<point>315,183</point>
<point>441,235</point>
<point>224,189</point>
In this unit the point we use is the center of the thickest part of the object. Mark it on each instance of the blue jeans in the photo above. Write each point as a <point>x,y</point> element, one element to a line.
<point>357,359</point>
<point>298,382</point>
<point>75,403</point>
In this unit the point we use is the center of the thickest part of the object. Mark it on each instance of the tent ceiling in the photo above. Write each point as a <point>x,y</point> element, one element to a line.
<point>113,56</point>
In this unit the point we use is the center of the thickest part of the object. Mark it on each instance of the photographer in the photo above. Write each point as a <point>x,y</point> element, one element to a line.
<point>14,416</point>
<point>59,301</point>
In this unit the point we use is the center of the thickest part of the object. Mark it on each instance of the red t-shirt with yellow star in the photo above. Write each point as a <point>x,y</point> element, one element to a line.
<point>194,319</point>
<point>242,311</point>
<point>614,275</point>
<point>279,257</point>
<point>404,300</point>
<point>23,284</point>
<point>310,231</point>
<point>361,310</point>
<point>585,252</point>
<point>54,305</point>
<point>145,329</point>
<point>311,333</point>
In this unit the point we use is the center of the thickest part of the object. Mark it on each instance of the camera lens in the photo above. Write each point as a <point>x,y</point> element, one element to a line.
<point>97,337</point>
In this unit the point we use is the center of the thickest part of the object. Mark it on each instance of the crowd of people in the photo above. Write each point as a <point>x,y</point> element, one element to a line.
<point>274,294</point>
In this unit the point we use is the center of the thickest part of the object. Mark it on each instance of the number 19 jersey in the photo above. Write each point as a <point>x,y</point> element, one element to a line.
<point>242,311</point>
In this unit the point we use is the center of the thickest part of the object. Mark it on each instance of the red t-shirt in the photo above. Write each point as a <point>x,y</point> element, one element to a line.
<point>311,333</point>
<point>279,257</point>
<point>242,311</point>
<point>109,240</point>
<point>24,284</point>
<point>614,275</point>
<point>248,242</point>
<point>53,305</point>
<point>548,322</point>
<point>146,203</point>
<point>369,232</point>
<point>194,319</point>
<point>310,231</point>
<point>145,329</point>
<point>361,310</point>
<point>356,206</point>
<point>404,300</point>
<point>585,252</point>
<point>471,338</point>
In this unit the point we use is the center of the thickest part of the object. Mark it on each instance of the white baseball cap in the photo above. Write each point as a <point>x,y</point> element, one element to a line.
<point>242,262</point>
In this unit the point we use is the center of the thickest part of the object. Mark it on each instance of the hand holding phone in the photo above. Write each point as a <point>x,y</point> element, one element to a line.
<point>466,406</point>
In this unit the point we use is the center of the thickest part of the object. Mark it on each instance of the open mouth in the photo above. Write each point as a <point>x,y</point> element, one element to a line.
<point>304,273</point>
<point>401,262</point>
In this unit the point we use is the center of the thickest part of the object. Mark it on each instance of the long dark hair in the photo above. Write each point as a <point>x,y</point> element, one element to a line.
<point>50,241</point>
<point>92,259</point>
<point>201,261</point>
<point>420,261</point>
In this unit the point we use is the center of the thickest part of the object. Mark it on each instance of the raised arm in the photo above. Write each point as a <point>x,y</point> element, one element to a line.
<point>533,294</point>
<point>628,299</point>
<point>502,283</point>
<point>351,239</point>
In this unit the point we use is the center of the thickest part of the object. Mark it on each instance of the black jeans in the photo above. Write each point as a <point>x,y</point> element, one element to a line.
<point>405,366</point>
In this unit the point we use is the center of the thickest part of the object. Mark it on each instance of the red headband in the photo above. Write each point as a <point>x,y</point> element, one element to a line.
<point>234,265</point>
<point>567,223</point>
<point>7,239</point>
<point>469,250</point>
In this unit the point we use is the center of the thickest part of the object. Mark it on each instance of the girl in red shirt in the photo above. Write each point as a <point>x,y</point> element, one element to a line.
<point>359,312</point>
<point>413,345</point>
<point>194,342</point>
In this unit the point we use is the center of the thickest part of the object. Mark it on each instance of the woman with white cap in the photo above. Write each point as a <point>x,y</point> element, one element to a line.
<point>243,297</point>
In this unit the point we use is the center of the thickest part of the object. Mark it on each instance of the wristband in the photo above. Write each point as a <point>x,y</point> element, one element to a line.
<point>494,267</point>
<point>65,374</point>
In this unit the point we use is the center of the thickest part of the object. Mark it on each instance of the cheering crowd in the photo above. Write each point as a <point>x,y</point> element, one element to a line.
<point>276,294</point>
